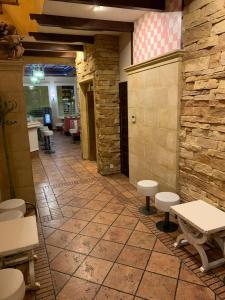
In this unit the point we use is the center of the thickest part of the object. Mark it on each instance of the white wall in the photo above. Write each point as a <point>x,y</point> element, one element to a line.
<point>125,54</point>
<point>52,83</point>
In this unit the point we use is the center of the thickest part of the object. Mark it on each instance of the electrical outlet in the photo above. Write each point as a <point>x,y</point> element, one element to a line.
<point>111,166</point>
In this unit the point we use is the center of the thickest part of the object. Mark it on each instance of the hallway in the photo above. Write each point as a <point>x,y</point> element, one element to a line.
<point>97,247</point>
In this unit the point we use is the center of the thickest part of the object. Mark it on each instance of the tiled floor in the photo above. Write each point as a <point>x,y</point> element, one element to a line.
<point>97,244</point>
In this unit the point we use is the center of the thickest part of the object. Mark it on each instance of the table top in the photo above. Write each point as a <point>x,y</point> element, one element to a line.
<point>18,235</point>
<point>201,215</point>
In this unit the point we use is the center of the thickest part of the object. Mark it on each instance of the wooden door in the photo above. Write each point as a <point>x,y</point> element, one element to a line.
<point>91,121</point>
<point>124,128</point>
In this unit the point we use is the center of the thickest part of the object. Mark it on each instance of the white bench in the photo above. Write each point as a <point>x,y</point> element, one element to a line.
<point>18,239</point>
<point>201,222</point>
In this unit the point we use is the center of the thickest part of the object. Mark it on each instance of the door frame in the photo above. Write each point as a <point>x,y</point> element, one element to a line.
<point>84,117</point>
<point>126,169</point>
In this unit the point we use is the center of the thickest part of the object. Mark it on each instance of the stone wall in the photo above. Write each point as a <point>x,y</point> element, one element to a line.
<point>101,65</point>
<point>202,134</point>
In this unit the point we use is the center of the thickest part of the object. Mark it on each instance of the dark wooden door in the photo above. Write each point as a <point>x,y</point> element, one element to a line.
<point>91,121</point>
<point>124,128</point>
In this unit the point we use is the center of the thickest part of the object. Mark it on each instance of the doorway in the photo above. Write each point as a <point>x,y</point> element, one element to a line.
<point>124,147</point>
<point>91,124</point>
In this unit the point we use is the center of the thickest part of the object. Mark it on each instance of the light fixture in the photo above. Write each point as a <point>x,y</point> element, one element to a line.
<point>38,74</point>
<point>98,8</point>
<point>34,79</point>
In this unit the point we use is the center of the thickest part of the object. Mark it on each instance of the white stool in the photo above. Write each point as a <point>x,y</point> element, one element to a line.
<point>59,126</point>
<point>47,138</point>
<point>11,215</point>
<point>12,285</point>
<point>13,204</point>
<point>163,202</point>
<point>148,188</point>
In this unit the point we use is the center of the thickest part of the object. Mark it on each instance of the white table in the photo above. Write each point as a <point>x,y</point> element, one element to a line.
<point>18,239</point>
<point>201,222</point>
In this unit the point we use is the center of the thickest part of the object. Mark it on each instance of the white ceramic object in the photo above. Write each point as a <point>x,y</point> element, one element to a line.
<point>148,188</point>
<point>164,200</point>
<point>13,204</point>
<point>11,215</point>
<point>12,285</point>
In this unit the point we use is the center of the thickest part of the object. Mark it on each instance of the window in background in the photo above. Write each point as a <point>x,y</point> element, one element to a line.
<point>36,99</point>
<point>66,100</point>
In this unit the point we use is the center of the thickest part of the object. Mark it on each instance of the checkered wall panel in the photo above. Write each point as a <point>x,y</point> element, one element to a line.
<point>156,34</point>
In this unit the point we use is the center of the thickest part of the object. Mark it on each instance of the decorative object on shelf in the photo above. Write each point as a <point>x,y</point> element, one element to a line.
<point>10,39</point>
<point>7,107</point>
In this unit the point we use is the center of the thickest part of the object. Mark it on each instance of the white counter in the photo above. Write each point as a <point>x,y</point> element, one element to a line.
<point>33,136</point>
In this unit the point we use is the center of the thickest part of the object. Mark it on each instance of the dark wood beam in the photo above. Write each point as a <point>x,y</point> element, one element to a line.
<point>130,4</point>
<point>51,47</point>
<point>65,38</point>
<point>11,2</point>
<point>1,9</point>
<point>49,54</point>
<point>82,23</point>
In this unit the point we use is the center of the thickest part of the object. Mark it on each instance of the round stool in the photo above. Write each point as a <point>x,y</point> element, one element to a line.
<point>47,137</point>
<point>11,215</point>
<point>13,204</point>
<point>12,285</point>
<point>148,188</point>
<point>59,126</point>
<point>163,202</point>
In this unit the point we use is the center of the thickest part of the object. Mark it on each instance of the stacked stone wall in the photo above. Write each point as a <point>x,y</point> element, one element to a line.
<point>202,133</point>
<point>102,65</point>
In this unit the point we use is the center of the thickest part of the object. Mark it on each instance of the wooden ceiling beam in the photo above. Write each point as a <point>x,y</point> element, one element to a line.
<point>65,38</point>
<point>129,4</point>
<point>51,47</point>
<point>49,54</point>
<point>10,2</point>
<point>82,23</point>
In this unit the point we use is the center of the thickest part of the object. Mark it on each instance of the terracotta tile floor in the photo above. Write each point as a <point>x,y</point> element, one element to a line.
<point>98,246</point>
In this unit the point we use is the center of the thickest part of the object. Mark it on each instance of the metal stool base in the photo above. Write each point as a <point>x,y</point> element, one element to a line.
<point>166,227</point>
<point>148,212</point>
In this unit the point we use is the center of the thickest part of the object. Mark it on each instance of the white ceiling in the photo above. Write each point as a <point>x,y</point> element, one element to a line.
<point>86,11</point>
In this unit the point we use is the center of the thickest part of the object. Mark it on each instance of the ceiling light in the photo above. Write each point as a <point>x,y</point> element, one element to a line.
<point>39,74</point>
<point>34,79</point>
<point>98,8</point>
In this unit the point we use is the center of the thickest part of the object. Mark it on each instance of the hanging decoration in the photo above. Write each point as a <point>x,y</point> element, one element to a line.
<point>37,74</point>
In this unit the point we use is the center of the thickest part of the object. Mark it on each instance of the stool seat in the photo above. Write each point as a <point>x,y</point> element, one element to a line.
<point>73,131</point>
<point>147,187</point>
<point>12,285</point>
<point>11,215</point>
<point>48,133</point>
<point>43,128</point>
<point>164,200</point>
<point>58,124</point>
<point>13,204</point>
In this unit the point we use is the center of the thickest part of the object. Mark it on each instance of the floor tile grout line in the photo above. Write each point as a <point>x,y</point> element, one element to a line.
<point>147,226</point>
<point>145,270</point>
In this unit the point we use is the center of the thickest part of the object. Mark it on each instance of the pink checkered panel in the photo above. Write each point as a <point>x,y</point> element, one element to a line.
<point>156,34</point>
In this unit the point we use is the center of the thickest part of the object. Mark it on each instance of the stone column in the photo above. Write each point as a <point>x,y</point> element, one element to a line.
<point>11,88</point>
<point>101,66</point>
